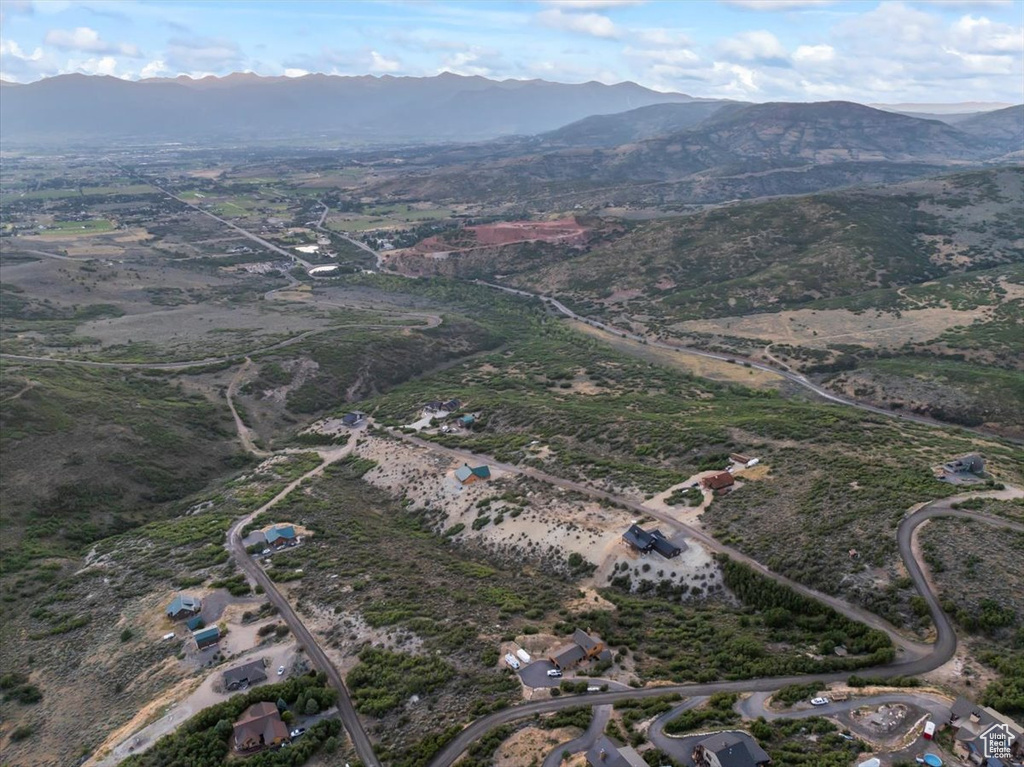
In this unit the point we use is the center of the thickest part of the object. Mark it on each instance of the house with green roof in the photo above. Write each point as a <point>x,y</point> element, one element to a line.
<point>184,606</point>
<point>280,536</point>
<point>206,637</point>
<point>467,474</point>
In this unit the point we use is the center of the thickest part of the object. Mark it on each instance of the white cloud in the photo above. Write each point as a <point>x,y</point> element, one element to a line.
<point>677,57</point>
<point>582,4</point>
<point>153,69</point>
<point>11,48</point>
<point>295,72</point>
<point>777,5</point>
<point>203,54</point>
<point>88,40</point>
<point>757,46</point>
<point>660,36</point>
<point>983,36</point>
<point>105,65</point>
<point>379,63</point>
<point>814,54</point>
<point>593,24</point>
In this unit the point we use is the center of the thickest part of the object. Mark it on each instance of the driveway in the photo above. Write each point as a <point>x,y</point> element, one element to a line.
<point>536,674</point>
<point>584,741</point>
<point>678,748</point>
<point>753,707</point>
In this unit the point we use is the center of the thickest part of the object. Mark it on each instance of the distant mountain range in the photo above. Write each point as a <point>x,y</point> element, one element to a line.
<point>739,151</point>
<point>245,107</point>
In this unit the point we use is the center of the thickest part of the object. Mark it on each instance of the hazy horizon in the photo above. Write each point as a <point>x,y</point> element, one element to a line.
<point>752,50</point>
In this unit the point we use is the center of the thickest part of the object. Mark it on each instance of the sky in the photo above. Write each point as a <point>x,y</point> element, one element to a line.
<point>894,51</point>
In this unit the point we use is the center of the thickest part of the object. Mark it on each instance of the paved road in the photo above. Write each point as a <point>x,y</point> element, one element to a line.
<point>910,647</point>
<point>753,706</point>
<point>358,243</point>
<point>584,741</point>
<point>783,373</point>
<point>680,748</point>
<point>347,711</point>
<point>672,746</point>
<point>937,654</point>
<point>244,232</point>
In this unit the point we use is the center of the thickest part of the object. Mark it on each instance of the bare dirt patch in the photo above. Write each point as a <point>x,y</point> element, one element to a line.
<point>715,370</point>
<point>531,745</point>
<point>566,231</point>
<point>819,327</point>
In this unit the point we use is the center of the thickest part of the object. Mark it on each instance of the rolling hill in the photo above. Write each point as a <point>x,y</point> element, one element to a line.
<point>738,152</point>
<point>632,126</point>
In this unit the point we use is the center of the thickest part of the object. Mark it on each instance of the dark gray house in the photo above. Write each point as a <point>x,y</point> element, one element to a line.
<point>246,675</point>
<point>638,539</point>
<point>730,749</point>
<point>645,542</point>
<point>664,546</point>
<point>353,419</point>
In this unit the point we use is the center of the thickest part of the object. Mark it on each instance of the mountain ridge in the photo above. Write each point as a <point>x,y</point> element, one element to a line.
<point>241,106</point>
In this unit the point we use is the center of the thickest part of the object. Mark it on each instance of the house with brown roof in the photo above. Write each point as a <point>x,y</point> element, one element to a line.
<point>719,481</point>
<point>259,727</point>
<point>974,726</point>
<point>583,646</point>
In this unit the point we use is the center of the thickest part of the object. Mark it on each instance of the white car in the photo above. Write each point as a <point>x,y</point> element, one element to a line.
<point>554,672</point>
<point>819,701</point>
<point>280,670</point>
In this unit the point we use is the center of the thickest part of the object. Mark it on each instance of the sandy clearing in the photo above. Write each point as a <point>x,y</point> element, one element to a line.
<point>715,370</point>
<point>549,522</point>
<point>531,745</point>
<point>818,327</point>
<point>551,525</point>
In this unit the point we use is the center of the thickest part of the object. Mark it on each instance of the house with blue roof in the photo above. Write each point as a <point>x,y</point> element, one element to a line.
<point>280,536</point>
<point>184,606</point>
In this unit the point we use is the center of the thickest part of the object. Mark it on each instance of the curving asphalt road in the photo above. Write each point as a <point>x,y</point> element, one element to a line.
<point>923,658</point>
<point>910,647</point>
<point>940,652</point>
<point>584,741</point>
<point>789,375</point>
<point>680,747</point>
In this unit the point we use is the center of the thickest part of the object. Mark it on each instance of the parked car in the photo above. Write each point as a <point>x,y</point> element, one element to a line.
<point>265,551</point>
<point>819,701</point>
<point>297,732</point>
<point>280,670</point>
<point>554,672</point>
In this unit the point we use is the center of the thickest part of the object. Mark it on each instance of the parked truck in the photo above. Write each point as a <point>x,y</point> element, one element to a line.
<point>510,659</point>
